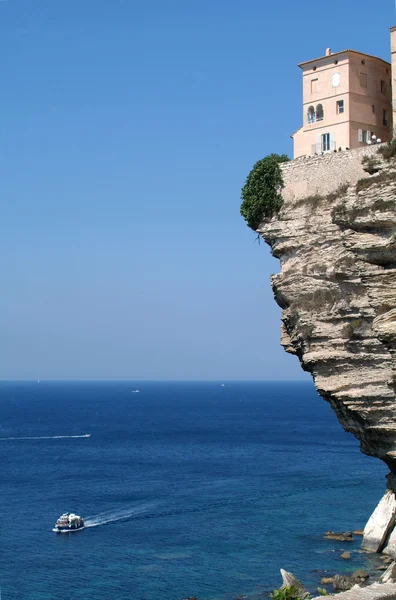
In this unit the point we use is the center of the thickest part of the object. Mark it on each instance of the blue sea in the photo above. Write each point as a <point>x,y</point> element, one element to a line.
<point>188,489</point>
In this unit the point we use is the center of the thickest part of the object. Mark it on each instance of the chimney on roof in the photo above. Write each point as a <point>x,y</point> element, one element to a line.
<point>328,51</point>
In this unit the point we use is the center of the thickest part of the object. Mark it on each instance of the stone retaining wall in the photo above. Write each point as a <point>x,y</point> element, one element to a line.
<point>322,174</point>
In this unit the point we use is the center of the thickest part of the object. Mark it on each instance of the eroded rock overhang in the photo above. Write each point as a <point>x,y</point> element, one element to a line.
<point>336,240</point>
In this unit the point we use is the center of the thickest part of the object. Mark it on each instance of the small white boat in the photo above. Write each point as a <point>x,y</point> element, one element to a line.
<point>69,522</point>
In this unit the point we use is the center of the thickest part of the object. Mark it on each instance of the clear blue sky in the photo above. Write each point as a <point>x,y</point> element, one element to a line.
<point>127,130</point>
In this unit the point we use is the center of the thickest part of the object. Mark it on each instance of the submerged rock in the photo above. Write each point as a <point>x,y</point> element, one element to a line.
<point>387,559</point>
<point>326,580</point>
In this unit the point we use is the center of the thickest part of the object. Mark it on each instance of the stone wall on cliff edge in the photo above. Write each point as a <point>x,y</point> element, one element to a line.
<point>323,173</point>
<point>337,289</point>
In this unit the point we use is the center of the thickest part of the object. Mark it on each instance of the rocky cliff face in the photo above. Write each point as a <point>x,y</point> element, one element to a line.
<point>337,289</point>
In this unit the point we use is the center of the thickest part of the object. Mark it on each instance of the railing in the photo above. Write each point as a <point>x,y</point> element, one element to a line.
<point>312,118</point>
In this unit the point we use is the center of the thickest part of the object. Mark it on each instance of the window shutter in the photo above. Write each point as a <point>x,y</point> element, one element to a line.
<point>318,143</point>
<point>332,141</point>
<point>369,136</point>
<point>360,135</point>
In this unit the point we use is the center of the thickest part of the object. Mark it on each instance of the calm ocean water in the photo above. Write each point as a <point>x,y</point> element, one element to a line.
<point>188,489</point>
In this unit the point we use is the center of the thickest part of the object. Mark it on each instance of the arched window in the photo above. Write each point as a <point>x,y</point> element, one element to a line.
<point>319,112</point>
<point>311,114</point>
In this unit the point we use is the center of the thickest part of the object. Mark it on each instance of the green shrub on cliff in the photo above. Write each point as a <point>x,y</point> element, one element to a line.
<point>262,193</point>
<point>286,593</point>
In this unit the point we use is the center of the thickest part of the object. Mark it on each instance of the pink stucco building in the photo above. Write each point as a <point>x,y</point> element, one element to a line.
<point>347,98</point>
<point>393,55</point>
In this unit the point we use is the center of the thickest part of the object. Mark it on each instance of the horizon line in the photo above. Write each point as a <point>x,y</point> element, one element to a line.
<point>154,380</point>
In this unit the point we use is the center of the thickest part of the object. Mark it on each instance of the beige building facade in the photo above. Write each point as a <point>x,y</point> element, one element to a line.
<point>347,99</point>
<point>393,58</point>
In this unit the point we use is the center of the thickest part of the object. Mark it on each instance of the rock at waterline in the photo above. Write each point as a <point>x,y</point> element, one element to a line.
<point>289,580</point>
<point>380,525</point>
<point>342,536</point>
<point>346,582</point>
<point>389,576</point>
<point>376,591</point>
<point>346,555</point>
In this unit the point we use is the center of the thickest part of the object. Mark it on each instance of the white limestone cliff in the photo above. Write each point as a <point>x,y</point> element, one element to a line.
<point>337,289</point>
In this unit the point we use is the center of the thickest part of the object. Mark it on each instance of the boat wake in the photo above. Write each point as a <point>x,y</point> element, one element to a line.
<point>45,437</point>
<point>55,530</point>
<point>156,510</point>
<point>118,515</point>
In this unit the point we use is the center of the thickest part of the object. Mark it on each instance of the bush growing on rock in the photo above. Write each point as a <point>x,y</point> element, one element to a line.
<point>261,195</point>
<point>354,328</point>
<point>388,150</point>
<point>287,593</point>
<point>382,178</point>
<point>370,164</point>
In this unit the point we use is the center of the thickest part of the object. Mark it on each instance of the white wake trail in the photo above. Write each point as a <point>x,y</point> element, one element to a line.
<point>45,437</point>
<point>117,515</point>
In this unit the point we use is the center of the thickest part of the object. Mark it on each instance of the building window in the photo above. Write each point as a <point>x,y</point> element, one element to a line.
<point>325,142</point>
<point>314,86</point>
<point>319,112</point>
<point>385,117</point>
<point>335,80</point>
<point>363,79</point>
<point>382,87</point>
<point>311,114</point>
<point>340,107</point>
<point>363,135</point>
<point>373,109</point>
